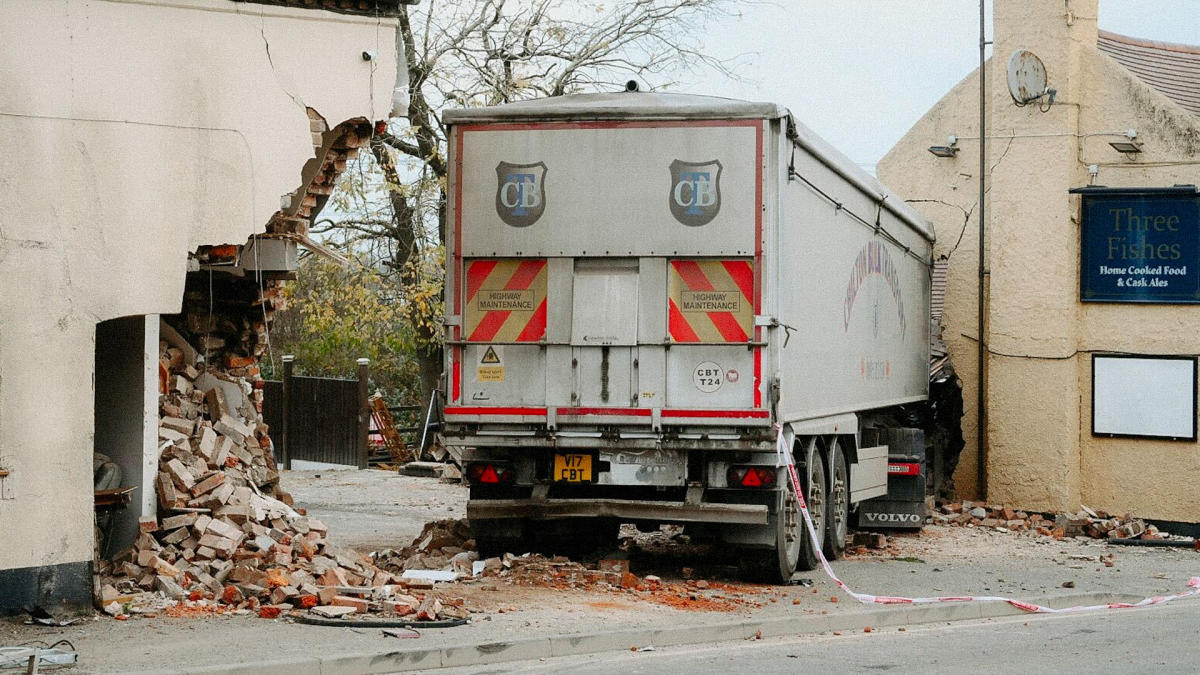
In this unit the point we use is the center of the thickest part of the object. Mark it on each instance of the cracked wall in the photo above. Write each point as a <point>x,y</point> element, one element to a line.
<point>135,133</point>
<point>1041,454</point>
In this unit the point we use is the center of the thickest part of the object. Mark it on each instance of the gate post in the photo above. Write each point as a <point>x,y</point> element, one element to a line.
<point>364,413</point>
<point>285,452</point>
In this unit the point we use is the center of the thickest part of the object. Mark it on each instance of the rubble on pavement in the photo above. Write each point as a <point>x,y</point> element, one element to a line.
<point>446,545</point>
<point>1085,523</point>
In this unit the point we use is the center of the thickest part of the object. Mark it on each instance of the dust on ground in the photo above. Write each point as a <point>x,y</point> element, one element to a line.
<point>376,510</point>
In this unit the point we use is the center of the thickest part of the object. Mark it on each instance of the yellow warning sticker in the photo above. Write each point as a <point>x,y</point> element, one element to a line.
<point>491,366</point>
<point>489,374</point>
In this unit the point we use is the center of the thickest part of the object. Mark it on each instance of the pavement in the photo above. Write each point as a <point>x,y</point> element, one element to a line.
<point>516,624</point>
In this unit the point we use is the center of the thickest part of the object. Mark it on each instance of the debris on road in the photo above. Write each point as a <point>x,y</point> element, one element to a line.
<point>227,537</point>
<point>445,546</point>
<point>33,657</point>
<point>1085,523</point>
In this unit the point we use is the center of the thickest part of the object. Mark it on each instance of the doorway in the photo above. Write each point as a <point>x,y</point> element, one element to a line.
<point>126,423</point>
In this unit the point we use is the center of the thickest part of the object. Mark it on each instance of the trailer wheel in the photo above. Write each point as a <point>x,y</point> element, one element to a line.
<point>838,521</point>
<point>777,564</point>
<point>816,486</point>
<point>789,537</point>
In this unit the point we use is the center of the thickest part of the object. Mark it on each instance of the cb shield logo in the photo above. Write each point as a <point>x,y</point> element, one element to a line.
<point>520,192</point>
<point>695,191</point>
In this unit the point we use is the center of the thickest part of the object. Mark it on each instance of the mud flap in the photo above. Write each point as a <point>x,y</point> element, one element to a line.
<point>891,514</point>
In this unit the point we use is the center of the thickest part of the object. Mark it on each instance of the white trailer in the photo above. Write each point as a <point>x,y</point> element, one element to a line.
<point>643,291</point>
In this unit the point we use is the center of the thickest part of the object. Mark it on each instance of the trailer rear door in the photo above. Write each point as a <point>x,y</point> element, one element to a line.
<point>606,272</point>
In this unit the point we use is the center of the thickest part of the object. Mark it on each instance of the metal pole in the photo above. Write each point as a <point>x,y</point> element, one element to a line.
<point>364,413</point>
<point>425,429</point>
<point>981,410</point>
<point>284,448</point>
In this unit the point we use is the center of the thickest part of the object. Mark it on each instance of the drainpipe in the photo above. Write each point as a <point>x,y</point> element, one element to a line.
<point>981,410</point>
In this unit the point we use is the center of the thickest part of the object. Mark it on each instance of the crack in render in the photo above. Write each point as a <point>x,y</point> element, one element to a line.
<point>966,218</point>
<point>262,32</point>
<point>966,212</point>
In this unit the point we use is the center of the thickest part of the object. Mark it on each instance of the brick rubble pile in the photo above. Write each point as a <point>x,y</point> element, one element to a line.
<point>1085,523</point>
<point>226,537</point>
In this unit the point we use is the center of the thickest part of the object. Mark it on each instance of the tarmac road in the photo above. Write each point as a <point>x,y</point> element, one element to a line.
<point>373,510</point>
<point>1158,639</point>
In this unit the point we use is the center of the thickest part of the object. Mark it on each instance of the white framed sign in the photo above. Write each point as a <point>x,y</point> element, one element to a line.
<point>1144,396</point>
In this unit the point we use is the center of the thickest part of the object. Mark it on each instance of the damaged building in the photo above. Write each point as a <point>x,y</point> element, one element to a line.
<point>162,163</point>
<point>1089,337</point>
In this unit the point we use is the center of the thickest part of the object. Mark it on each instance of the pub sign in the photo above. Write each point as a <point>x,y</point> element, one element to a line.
<point>1139,244</point>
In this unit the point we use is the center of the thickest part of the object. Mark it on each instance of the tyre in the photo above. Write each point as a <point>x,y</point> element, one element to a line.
<point>815,484</point>
<point>837,521</point>
<point>789,537</point>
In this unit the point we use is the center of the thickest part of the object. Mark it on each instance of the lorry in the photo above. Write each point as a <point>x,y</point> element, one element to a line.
<point>648,296</point>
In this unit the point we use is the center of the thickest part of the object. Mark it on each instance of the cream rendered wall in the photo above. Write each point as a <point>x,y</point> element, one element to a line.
<point>1041,454</point>
<point>1032,311</point>
<point>132,133</point>
<point>1151,478</point>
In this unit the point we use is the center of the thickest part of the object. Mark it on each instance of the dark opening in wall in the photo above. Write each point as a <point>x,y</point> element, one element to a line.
<point>120,424</point>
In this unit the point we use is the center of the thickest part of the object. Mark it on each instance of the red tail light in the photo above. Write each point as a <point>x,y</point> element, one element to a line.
<point>751,476</point>
<point>904,468</point>
<point>489,473</point>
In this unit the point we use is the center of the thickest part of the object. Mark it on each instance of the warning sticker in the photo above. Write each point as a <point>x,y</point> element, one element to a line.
<point>710,300</point>
<point>489,374</point>
<point>491,366</point>
<point>506,300</point>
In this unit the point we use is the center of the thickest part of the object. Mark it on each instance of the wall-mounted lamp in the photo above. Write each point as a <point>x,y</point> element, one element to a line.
<point>949,150</point>
<point>1129,146</point>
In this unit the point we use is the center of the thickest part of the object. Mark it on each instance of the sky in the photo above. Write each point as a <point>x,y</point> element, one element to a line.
<point>860,73</point>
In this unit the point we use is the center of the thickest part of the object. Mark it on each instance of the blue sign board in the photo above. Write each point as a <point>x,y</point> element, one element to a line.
<point>1140,245</point>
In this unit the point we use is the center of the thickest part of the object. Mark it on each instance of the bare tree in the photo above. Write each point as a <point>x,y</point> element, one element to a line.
<point>486,52</point>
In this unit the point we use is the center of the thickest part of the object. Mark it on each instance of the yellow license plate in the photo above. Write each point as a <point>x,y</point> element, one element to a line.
<point>573,468</point>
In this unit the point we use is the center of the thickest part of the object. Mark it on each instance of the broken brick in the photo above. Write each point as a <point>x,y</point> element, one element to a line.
<point>358,604</point>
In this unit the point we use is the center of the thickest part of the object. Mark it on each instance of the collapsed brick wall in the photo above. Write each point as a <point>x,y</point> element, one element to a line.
<point>211,403</point>
<point>226,537</point>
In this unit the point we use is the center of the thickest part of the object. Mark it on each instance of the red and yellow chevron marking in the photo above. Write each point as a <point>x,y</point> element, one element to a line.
<point>710,300</point>
<point>506,300</point>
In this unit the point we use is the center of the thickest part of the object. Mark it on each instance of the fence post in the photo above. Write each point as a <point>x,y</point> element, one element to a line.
<point>364,414</point>
<point>285,452</point>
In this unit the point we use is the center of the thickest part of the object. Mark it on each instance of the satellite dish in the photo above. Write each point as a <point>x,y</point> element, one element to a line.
<point>1026,76</point>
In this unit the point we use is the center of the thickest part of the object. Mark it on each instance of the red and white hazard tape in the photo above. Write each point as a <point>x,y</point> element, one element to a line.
<point>786,459</point>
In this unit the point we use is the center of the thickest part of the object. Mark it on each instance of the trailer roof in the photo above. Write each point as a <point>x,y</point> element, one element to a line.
<point>621,105</point>
<point>866,183</point>
<point>660,106</point>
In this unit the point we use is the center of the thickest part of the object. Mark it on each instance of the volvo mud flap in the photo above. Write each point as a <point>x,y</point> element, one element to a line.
<point>883,513</point>
<point>904,505</point>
